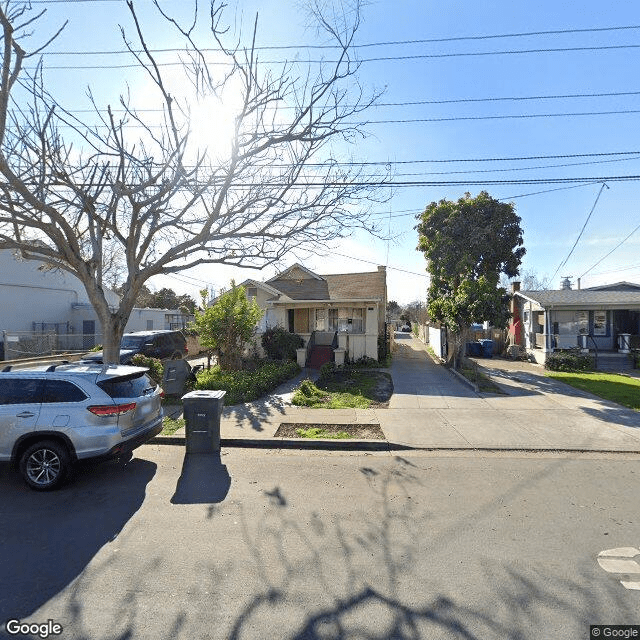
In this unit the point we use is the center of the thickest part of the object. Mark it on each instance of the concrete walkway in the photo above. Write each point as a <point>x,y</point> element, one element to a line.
<point>432,409</point>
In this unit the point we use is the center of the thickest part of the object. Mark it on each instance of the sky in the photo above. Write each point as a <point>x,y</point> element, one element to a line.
<point>477,95</point>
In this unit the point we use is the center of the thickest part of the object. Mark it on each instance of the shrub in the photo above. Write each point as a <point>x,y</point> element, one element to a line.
<point>569,361</point>
<point>308,395</point>
<point>279,344</point>
<point>384,346</point>
<point>364,362</point>
<point>245,386</point>
<point>327,369</point>
<point>155,366</point>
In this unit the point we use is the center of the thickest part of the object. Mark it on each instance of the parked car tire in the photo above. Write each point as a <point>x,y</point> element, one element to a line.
<point>45,465</point>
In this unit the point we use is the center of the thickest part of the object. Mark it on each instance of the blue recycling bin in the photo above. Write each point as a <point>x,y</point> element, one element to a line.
<point>474,349</point>
<point>487,348</point>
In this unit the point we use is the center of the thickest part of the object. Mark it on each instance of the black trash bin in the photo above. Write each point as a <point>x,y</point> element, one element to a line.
<point>202,412</point>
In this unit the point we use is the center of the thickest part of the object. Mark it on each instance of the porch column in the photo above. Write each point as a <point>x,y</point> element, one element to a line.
<point>548,336</point>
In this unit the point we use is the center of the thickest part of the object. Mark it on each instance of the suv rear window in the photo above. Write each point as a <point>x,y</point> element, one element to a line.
<point>62,391</point>
<point>20,390</point>
<point>134,386</point>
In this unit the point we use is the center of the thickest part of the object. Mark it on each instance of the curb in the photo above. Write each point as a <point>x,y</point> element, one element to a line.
<point>466,381</point>
<point>378,445</point>
<point>293,443</point>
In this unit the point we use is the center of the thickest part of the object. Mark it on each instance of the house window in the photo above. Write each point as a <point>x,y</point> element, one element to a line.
<point>321,315</point>
<point>599,323</point>
<point>346,319</point>
<point>252,292</point>
<point>333,319</point>
<point>582,319</point>
<point>149,325</point>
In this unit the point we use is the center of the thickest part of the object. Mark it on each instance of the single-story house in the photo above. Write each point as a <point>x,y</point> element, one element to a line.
<point>337,311</point>
<point>606,317</point>
<point>43,309</point>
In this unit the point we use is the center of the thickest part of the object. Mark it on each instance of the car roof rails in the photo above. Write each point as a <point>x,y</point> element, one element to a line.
<point>53,367</point>
<point>7,368</point>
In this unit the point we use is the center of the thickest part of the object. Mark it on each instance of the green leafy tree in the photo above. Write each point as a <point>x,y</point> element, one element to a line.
<point>468,244</point>
<point>227,325</point>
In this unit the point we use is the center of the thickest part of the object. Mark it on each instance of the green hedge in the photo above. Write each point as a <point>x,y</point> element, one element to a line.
<point>569,361</point>
<point>155,366</point>
<point>279,344</point>
<point>245,386</point>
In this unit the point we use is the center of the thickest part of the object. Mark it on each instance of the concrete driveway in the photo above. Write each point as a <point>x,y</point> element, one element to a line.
<point>433,408</point>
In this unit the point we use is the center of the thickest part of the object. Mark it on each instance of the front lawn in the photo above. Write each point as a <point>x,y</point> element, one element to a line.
<point>347,389</point>
<point>610,386</point>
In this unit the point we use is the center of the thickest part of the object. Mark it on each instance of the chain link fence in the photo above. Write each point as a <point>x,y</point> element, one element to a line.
<point>16,345</point>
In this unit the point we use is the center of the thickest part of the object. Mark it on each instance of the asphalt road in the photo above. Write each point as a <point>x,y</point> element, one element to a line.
<point>268,544</point>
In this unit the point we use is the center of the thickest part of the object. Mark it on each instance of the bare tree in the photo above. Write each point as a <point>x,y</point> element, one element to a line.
<point>77,195</point>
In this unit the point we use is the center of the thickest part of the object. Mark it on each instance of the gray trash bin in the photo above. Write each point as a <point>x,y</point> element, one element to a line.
<point>202,412</point>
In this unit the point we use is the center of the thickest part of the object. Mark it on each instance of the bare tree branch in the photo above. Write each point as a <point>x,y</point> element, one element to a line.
<point>123,194</point>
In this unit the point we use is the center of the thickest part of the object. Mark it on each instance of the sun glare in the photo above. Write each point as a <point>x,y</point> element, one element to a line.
<point>212,122</point>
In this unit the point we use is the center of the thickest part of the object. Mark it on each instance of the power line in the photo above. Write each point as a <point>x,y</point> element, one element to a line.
<point>504,117</point>
<point>405,213</point>
<point>610,252</point>
<point>521,116</point>
<point>604,273</point>
<point>413,273</point>
<point>414,103</point>
<point>369,44</point>
<point>584,226</point>
<point>421,56</point>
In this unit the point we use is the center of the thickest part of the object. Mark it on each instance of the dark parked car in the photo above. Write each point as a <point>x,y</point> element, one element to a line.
<point>164,345</point>
<point>53,415</point>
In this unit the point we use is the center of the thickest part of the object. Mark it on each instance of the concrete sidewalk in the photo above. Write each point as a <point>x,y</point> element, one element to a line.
<point>432,409</point>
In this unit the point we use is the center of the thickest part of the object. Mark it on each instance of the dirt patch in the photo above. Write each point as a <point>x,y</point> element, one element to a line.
<point>355,431</point>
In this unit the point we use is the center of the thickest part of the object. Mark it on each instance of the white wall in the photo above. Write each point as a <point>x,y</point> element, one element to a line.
<point>156,317</point>
<point>435,341</point>
<point>30,293</point>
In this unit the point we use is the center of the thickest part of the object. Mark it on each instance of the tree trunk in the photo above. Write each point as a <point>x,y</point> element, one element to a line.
<point>112,330</point>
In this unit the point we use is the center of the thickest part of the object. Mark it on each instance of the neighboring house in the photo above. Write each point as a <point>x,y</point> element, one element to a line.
<point>608,316</point>
<point>344,311</point>
<point>43,309</point>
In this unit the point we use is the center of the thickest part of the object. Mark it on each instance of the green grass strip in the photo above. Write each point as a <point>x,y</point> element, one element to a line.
<point>617,388</point>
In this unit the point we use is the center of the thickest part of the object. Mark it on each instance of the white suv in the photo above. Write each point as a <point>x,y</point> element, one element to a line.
<point>52,416</point>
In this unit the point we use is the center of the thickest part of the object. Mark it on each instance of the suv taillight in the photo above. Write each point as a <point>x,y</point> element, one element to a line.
<point>112,409</point>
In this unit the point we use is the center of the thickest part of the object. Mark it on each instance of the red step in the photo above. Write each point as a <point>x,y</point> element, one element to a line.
<point>319,355</point>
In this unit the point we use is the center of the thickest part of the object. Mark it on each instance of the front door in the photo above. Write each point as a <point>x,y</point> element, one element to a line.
<point>302,320</point>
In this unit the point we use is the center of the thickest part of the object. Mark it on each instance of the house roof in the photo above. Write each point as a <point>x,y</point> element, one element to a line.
<point>584,298</point>
<point>298,285</point>
<point>616,286</point>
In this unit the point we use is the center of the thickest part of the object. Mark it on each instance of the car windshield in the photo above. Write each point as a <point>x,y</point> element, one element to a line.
<point>131,342</point>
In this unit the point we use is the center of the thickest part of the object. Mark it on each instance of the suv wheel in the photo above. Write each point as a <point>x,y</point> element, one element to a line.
<point>44,465</point>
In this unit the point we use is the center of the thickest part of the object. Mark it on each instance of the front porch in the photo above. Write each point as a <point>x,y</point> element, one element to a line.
<point>611,334</point>
<point>351,327</point>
